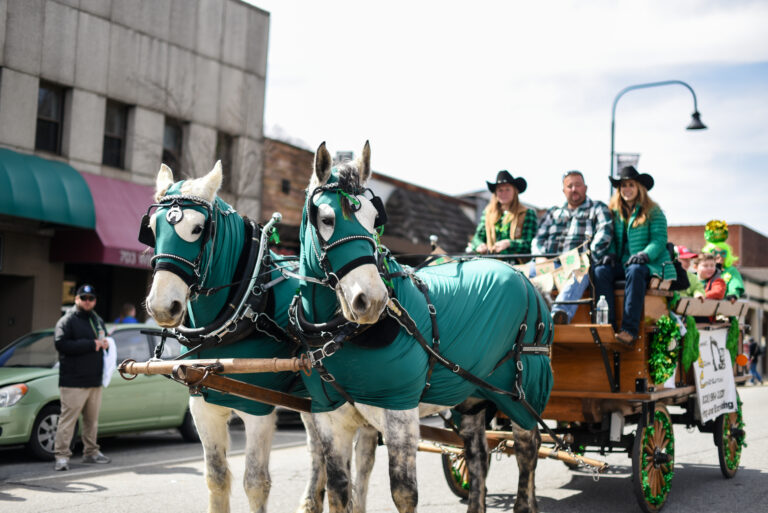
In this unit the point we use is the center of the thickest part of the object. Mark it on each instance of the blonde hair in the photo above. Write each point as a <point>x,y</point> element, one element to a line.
<point>645,202</point>
<point>493,212</point>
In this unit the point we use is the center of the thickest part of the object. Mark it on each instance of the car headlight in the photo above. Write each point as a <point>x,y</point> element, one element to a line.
<point>12,394</point>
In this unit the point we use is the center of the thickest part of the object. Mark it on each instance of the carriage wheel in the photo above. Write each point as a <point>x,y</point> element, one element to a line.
<point>729,439</point>
<point>456,473</point>
<point>653,461</point>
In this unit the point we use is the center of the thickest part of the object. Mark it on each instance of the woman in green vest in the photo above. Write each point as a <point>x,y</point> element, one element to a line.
<point>507,226</point>
<point>638,249</point>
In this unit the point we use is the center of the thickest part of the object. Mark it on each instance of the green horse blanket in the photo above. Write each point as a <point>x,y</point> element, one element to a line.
<point>480,305</point>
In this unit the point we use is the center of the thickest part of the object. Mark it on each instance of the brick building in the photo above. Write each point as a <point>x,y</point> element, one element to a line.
<point>414,212</point>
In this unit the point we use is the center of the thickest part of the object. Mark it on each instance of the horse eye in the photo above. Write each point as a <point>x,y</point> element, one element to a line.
<point>327,221</point>
<point>197,229</point>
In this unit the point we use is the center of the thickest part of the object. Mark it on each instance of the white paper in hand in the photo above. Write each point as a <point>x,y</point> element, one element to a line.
<point>110,362</point>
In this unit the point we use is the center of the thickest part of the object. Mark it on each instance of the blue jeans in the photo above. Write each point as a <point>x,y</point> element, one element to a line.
<point>755,374</point>
<point>571,292</point>
<point>637,277</point>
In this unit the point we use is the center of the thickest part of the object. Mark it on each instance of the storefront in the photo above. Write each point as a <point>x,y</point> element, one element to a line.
<point>60,228</point>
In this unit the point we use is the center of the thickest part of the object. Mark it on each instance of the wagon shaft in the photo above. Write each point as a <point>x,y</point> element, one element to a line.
<point>222,365</point>
<point>203,373</point>
<point>446,441</point>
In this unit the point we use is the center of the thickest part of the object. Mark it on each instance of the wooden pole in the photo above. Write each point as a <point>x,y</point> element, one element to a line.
<point>221,366</point>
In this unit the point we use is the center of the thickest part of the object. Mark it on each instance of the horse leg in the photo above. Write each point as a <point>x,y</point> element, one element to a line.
<point>527,443</point>
<point>472,431</point>
<point>312,500</point>
<point>211,422</point>
<point>401,436</point>
<point>259,431</point>
<point>365,456</point>
<point>336,432</point>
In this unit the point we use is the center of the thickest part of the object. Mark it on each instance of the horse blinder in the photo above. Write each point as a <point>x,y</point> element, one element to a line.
<point>381,213</point>
<point>146,235</point>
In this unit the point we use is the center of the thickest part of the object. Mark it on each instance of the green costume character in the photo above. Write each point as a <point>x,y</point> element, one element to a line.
<point>716,233</point>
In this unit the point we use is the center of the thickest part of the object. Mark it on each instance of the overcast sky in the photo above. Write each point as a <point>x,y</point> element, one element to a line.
<point>449,93</point>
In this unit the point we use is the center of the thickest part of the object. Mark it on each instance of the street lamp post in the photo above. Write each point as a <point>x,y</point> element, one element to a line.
<point>695,123</point>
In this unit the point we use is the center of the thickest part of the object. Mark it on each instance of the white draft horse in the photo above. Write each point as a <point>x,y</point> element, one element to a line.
<point>383,386</point>
<point>186,246</point>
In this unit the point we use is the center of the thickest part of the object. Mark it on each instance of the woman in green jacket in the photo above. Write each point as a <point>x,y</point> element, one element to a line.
<point>638,249</point>
<point>507,226</point>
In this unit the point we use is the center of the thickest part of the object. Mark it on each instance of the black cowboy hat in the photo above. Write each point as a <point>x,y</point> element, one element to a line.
<point>504,177</point>
<point>630,173</point>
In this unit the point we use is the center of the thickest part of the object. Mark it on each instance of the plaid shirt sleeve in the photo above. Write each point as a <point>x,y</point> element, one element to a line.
<point>523,244</point>
<point>539,243</point>
<point>601,241</point>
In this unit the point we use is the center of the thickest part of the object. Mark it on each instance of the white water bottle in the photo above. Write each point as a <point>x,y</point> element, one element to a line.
<point>602,311</point>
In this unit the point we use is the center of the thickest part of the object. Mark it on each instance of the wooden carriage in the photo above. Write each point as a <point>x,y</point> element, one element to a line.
<point>602,385</point>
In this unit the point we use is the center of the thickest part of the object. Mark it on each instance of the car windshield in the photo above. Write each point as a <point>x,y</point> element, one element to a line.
<point>33,350</point>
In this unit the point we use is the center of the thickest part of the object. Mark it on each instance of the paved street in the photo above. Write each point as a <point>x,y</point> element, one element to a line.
<point>159,473</point>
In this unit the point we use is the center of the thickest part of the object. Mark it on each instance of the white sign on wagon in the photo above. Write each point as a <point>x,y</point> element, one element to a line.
<point>715,387</point>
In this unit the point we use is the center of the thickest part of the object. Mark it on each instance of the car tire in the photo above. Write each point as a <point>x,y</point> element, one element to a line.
<point>188,429</point>
<point>43,436</point>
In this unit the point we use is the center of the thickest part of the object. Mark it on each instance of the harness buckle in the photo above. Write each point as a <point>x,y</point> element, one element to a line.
<point>432,310</point>
<point>250,314</point>
<point>316,357</point>
<point>330,348</point>
<point>327,377</point>
<point>333,280</point>
<point>519,365</point>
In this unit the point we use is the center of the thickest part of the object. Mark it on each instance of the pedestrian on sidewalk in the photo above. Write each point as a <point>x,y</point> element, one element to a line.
<point>754,355</point>
<point>80,339</point>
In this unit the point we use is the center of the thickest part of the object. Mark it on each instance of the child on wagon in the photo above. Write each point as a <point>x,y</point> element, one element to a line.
<point>709,276</point>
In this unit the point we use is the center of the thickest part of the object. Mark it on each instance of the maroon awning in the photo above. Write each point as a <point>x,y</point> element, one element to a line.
<point>119,206</point>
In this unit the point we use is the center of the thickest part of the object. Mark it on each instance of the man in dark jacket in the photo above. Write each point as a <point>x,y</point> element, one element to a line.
<point>79,339</point>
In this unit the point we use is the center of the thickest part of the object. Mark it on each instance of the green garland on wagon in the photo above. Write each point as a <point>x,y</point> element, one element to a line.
<point>664,349</point>
<point>690,343</point>
<point>732,460</point>
<point>670,450</point>
<point>732,340</point>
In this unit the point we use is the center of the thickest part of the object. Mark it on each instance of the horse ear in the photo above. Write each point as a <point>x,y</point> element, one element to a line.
<point>364,163</point>
<point>322,166</point>
<point>163,182</point>
<point>207,186</point>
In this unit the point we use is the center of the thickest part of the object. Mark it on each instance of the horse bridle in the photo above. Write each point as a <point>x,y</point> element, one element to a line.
<point>175,204</point>
<point>333,277</point>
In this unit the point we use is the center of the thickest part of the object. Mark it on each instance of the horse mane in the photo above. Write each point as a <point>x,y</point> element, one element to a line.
<point>349,182</point>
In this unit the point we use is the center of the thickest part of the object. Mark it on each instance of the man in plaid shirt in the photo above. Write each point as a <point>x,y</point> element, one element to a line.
<point>569,226</point>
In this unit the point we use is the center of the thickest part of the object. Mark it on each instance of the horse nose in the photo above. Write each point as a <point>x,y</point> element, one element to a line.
<point>176,308</point>
<point>360,303</point>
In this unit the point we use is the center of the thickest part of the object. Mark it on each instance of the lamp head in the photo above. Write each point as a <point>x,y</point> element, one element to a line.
<point>696,123</point>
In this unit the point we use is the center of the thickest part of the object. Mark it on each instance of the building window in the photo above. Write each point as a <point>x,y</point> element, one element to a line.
<point>115,123</point>
<point>50,117</point>
<point>172,137</point>
<point>224,143</point>
<point>285,186</point>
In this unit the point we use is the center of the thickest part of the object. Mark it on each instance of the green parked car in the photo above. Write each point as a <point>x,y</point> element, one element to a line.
<point>29,391</point>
